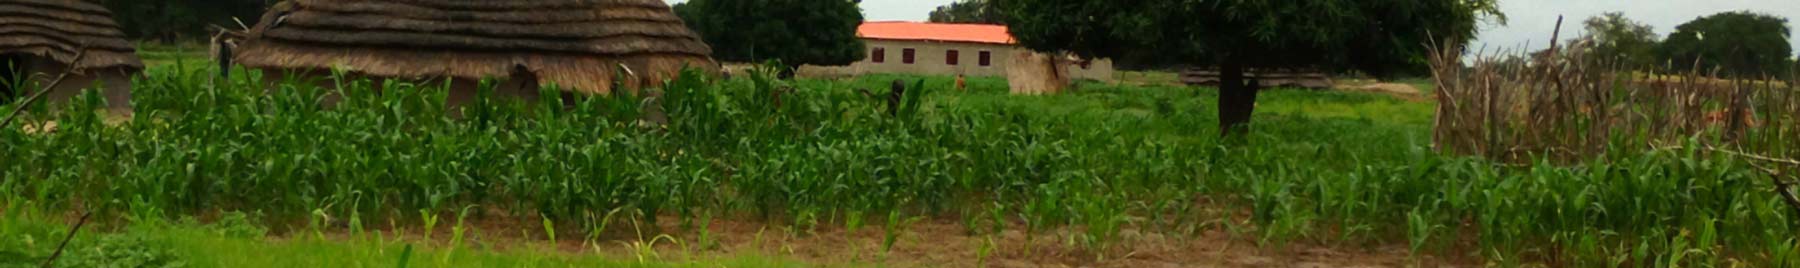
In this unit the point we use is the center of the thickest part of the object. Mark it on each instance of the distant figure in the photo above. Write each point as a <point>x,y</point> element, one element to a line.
<point>224,61</point>
<point>894,97</point>
<point>223,44</point>
<point>961,84</point>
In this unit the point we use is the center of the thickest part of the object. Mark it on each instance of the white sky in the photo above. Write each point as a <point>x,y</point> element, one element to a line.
<point>1532,20</point>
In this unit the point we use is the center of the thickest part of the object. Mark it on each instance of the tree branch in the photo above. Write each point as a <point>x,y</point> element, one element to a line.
<point>1710,148</point>
<point>79,54</point>
<point>50,262</point>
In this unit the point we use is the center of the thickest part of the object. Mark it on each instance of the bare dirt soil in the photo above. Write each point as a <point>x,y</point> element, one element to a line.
<point>944,243</point>
<point>1398,90</point>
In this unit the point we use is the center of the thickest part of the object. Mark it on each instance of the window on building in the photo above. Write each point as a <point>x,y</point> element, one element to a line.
<point>1085,64</point>
<point>906,56</point>
<point>878,55</point>
<point>951,57</point>
<point>986,58</point>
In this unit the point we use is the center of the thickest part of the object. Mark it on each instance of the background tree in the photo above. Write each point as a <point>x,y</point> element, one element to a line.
<point>1740,44</point>
<point>969,11</point>
<point>1379,37</point>
<point>1620,40</point>
<point>796,32</point>
<point>170,21</point>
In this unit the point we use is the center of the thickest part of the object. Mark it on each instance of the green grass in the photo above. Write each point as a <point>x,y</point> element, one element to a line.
<point>26,241</point>
<point>1331,167</point>
<point>157,54</point>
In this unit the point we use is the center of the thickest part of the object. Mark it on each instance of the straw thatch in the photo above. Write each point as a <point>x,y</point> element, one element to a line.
<point>1032,73</point>
<point>58,29</point>
<point>578,45</point>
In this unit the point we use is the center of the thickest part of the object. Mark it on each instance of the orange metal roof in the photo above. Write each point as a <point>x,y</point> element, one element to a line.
<point>942,32</point>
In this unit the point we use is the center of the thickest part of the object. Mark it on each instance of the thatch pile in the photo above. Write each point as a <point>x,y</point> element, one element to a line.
<point>578,45</point>
<point>1032,73</point>
<point>59,29</point>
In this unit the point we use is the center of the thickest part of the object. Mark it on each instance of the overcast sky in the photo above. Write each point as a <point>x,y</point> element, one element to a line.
<point>1532,20</point>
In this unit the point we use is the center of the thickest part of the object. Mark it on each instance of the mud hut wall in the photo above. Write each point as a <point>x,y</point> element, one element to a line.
<point>462,91</point>
<point>1098,70</point>
<point>114,83</point>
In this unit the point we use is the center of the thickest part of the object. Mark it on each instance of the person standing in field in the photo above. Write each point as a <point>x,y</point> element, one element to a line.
<point>961,84</point>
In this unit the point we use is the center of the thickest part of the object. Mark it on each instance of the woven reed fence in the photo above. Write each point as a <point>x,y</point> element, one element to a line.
<point>1563,106</point>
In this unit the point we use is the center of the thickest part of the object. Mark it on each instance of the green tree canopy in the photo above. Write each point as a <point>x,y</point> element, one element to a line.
<point>1740,44</point>
<point>1617,39</point>
<point>1380,37</point>
<point>176,20</point>
<point>969,11</point>
<point>796,32</point>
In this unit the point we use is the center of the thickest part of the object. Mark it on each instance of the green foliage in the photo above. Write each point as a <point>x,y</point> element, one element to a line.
<point>795,32</point>
<point>969,11</point>
<point>1378,37</point>
<point>1740,44</point>
<point>1620,40</point>
<point>1384,38</point>
<point>1107,161</point>
<point>25,242</point>
<point>182,20</point>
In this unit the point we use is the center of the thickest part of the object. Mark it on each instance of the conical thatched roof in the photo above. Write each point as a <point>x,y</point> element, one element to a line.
<point>576,44</point>
<point>57,29</point>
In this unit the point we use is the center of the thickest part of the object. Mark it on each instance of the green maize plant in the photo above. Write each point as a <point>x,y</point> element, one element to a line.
<point>1105,161</point>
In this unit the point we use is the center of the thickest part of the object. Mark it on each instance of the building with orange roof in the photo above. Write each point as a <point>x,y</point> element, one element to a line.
<point>963,49</point>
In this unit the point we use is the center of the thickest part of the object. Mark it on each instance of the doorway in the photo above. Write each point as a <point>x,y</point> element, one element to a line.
<point>12,77</point>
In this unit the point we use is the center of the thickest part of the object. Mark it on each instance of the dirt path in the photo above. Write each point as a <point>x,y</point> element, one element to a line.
<point>943,243</point>
<point>1398,90</point>
<point>1389,88</point>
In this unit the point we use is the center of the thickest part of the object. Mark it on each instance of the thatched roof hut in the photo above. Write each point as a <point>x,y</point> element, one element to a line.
<point>41,39</point>
<point>578,45</point>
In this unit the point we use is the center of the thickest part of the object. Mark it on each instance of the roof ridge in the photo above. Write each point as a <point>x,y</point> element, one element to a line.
<point>941,32</point>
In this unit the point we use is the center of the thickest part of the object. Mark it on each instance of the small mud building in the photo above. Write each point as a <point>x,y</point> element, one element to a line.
<point>579,46</point>
<point>965,49</point>
<point>41,39</point>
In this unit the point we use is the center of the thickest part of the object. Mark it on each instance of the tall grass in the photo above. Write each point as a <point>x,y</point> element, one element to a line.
<point>1324,166</point>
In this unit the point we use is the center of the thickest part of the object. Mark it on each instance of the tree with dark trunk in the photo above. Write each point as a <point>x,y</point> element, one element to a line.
<point>1619,40</point>
<point>793,32</point>
<point>1378,37</point>
<point>171,21</point>
<point>1741,44</point>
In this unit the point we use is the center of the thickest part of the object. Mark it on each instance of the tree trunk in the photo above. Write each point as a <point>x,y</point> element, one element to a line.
<point>1056,76</point>
<point>222,50</point>
<point>1236,100</point>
